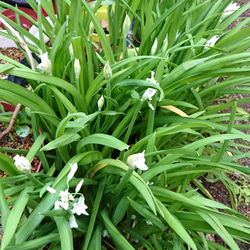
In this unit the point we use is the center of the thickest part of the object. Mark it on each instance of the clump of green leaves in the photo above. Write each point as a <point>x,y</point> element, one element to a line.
<point>151,99</point>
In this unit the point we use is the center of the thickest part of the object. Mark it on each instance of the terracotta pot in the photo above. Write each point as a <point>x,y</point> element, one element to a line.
<point>7,107</point>
<point>25,22</point>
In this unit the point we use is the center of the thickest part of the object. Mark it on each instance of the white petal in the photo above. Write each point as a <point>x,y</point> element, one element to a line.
<point>72,221</point>
<point>142,166</point>
<point>137,161</point>
<point>151,106</point>
<point>57,205</point>
<point>79,185</point>
<point>51,190</point>
<point>72,171</point>
<point>80,207</point>
<point>64,205</point>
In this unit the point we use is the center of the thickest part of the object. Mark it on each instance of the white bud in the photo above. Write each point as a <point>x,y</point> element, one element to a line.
<point>22,164</point>
<point>107,72</point>
<point>72,221</point>
<point>45,64</point>
<point>126,25</point>
<point>77,68</point>
<point>71,52</point>
<point>100,103</point>
<point>154,47</point>
<point>78,186</point>
<point>73,170</point>
<point>91,28</point>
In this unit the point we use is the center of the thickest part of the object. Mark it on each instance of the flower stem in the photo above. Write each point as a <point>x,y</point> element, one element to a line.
<point>34,180</point>
<point>123,182</point>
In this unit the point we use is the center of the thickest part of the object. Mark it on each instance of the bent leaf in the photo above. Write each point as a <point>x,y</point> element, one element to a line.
<point>61,141</point>
<point>102,139</point>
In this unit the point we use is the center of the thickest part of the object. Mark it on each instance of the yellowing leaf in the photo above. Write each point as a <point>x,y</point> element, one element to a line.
<point>175,110</point>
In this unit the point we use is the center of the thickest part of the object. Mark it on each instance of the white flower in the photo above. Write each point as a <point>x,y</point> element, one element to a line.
<point>126,25</point>
<point>230,9</point>
<point>78,186</point>
<point>72,172</point>
<point>150,92</point>
<point>211,42</point>
<point>45,64</point>
<point>22,164</point>
<point>77,68</point>
<point>107,72</point>
<point>137,161</point>
<point>64,205</point>
<point>66,196</point>
<point>72,221</point>
<point>80,207</point>
<point>100,103</point>
<point>51,190</point>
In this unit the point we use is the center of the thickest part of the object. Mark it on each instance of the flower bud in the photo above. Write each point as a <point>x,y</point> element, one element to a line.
<point>100,103</point>
<point>107,72</point>
<point>91,28</point>
<point>154,47</point>
<point>77,68</point>
<point>45,64</point>
<point>126,25</point>
<point>71,52</point>
<point>22,164</point>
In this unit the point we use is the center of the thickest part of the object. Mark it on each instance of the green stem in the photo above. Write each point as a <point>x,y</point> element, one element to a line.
<point>132,122</point>
<point>108,93</point>
<point>123,182</point>
<point>34,180</point>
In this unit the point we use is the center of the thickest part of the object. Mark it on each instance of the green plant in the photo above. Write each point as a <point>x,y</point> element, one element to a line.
<point>152,99</point>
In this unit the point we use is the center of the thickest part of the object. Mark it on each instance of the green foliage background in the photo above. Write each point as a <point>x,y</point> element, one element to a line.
<point>165,207</point>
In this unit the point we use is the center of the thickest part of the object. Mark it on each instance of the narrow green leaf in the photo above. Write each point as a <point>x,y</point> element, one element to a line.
<point>176,225</point>
<point>63,140</point>
<point>7,165</point>
<point>94,213</point>
<point>36,243</point>
<point>65,233</point>
<point>142,210</point>
<point>14,216</point>
<point>115,234</point>
<point>102,139</point>
<point>220,229</point>
<point>4,208</point>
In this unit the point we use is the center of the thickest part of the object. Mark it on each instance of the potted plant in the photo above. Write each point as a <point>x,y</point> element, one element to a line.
<point>129,129</point>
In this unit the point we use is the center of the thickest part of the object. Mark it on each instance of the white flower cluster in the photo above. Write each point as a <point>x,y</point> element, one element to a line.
<point>72,202</point>
<point>150,92</point>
